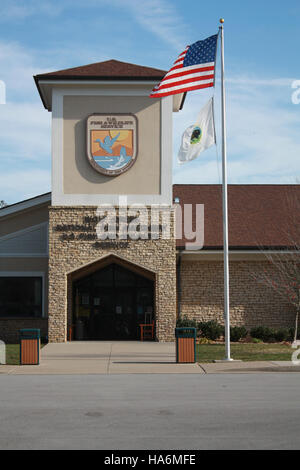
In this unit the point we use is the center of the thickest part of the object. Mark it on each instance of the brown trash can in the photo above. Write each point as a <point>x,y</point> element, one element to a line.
<point>185,345</point>
<point>30,346</point>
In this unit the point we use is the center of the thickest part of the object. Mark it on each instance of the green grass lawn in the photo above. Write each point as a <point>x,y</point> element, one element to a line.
<point>13,354</point>
<point>245,352</point>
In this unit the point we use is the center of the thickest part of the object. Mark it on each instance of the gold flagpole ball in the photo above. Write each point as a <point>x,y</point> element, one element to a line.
<point>222,20</point>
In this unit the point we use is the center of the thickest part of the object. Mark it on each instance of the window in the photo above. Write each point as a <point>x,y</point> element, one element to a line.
<point>21,297</point>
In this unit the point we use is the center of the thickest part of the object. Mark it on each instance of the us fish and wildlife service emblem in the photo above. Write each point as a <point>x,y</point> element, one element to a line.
<point>112,142</point>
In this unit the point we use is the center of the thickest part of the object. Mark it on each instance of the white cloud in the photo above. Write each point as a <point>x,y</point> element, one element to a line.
<point>255,82</point>
<point>160,18</point>
<point>25,126</point>
<point>18,185</point>
<point>262,132</point>
<point>25,132</point>
<point>17,67</point>
<point>263,124</point>
<point>21,10</point>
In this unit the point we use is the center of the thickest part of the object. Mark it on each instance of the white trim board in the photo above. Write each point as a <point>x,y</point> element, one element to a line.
<point>142,88</point>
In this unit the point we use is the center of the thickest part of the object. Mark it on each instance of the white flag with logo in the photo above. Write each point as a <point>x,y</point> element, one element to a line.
<point>200,136</point>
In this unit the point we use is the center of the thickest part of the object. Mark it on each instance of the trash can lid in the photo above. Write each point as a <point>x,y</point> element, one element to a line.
<point>185,332</point>
<point>30,332</point>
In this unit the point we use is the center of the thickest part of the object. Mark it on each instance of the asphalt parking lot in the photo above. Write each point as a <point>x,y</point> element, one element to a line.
<point>150,411</point>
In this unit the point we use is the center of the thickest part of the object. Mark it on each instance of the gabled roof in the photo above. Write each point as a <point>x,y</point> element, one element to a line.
<point>259,216</point>
<point>107,70</point>
<point>25,204</point>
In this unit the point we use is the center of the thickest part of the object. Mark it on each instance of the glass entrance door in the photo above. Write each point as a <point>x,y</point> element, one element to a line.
<point>111,303</point>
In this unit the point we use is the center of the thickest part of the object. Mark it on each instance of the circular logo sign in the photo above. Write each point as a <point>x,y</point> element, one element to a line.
<point>196,135</point>
<point>112,142</point>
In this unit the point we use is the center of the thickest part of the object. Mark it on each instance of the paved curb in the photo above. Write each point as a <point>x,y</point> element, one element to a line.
<point>249,367</point>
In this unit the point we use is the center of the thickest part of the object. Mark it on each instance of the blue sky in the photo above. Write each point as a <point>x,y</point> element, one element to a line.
<point>261,50</point>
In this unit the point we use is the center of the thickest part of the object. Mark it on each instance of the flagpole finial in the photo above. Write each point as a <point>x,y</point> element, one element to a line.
<point>222,20</point>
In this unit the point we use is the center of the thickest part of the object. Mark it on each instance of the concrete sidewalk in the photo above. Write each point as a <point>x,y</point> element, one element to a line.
<point>107,357</point>
<point>130,357</point>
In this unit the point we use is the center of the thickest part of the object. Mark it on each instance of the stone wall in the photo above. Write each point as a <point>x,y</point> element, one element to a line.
<point>251,303</point>
<point>71,250</point>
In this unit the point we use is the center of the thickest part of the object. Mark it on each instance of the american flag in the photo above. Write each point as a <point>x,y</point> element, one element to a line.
<point>194,69</point>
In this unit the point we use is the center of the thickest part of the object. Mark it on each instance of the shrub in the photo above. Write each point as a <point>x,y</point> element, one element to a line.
<point>185,322</point>
<point>211,329</point>
<point>256,340</point>
<point>291,333</point>
<point>269,335</point>
<point>282,334</point>
<point>266,334</point>
<point>237,332</point>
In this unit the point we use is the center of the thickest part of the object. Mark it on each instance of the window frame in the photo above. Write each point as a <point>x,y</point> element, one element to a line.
<point>19,274</point>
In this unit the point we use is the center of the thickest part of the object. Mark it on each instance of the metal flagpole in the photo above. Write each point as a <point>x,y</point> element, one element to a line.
<point>225,204</point>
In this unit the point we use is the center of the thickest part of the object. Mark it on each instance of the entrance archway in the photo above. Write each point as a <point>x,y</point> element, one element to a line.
<point>111,302</point>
